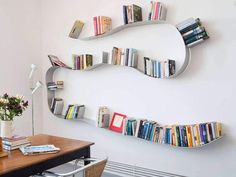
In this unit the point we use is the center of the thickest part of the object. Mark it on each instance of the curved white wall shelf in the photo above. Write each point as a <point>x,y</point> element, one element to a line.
<point>182,68</point>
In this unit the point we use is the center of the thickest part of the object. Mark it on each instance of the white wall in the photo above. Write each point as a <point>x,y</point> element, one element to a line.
<point>19,47</point>
<point>205,92</point>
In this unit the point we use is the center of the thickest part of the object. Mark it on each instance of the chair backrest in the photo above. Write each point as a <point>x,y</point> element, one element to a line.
<point>95,170</point>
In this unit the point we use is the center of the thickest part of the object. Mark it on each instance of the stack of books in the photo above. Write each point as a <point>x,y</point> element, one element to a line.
<point>74,112</point>
<point>82,61</point>
<point>158,11</point>
<point>129,126</point>
<point>192,32</point>
<point>15,142</point>
<point>102,24</point>
<point>125,57</point>
<point>54,86</point>
<point>56,62</point>
<point>179,135</point>
<point>157,69</point>
<point>57,106</point>
<point>132,13</point>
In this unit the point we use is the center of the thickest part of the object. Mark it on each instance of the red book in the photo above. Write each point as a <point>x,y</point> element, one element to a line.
<point>117,122</point>
<point>95,26</point>
<point>157,9</point>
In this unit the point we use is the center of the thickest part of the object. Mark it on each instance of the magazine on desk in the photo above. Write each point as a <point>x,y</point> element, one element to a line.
<point>42,149</point>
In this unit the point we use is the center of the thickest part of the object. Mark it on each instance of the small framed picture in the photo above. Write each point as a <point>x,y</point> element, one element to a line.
<point>117,122</point>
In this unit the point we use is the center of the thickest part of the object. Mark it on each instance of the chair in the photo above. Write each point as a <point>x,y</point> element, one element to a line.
<point>93,168</point>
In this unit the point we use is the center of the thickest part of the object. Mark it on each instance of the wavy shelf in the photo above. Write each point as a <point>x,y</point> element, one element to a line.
<point>170,145</point>
<point>182,68</point>
<point>122,27</point>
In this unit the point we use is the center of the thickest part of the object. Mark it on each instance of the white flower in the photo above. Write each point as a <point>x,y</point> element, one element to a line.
<point>4,101</point>
<point>20,97</point>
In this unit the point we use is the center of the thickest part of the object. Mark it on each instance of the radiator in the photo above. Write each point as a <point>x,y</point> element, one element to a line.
<point>117,169</point>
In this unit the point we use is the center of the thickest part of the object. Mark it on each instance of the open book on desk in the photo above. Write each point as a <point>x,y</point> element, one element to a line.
<point>42,149</point>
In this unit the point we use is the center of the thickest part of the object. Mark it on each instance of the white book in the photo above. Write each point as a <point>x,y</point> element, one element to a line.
<point>81,111</point>
<point>137,128</point>
<point>163,13</point>
<point>30,150</point>
<point>185,23</point>
<point>151,68</point>
<point>213,130</point>
<point>148,67</point>
<point>58,107</point>
<point>122,59</point>
<point>162,69</point>
<point>10,148</point>
<point>166,65</point>
<point>208,133</point>
<point>198,29</point>
<point>154,68</point>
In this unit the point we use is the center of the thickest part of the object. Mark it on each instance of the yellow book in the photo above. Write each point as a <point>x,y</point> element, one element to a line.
<point>197,134</point>
<point>173,136</point>
<point>189,136</point>
<point>70,112</point>
<point>219,129</point>
<point>76,29</point>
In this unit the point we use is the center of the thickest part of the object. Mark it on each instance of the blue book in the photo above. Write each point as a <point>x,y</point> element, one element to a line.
<point>167,132</point>
<point>152,132</point>
<point>147,130</point>
<point>181,135</point>
<point>204,133</point>
<point>145,126</point>
<point>125,15</point>
<point>159,69</point>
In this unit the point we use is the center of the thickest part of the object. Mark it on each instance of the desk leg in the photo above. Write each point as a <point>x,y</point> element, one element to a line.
<point>87,156</point>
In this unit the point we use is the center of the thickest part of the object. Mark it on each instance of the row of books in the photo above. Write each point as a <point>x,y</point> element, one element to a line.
<point>158,11</point>
<point>54,60</point>
<point>74,111</point>
<point>179,135</point>
<point>192,32</point>
<point>15,142</point>
<point>102,24</point>
<point>125,57</point>
<point>55,85</point>
<point>132,13</point>
<point>82,61</point>
<point>103,119</point>
<point>57,105</point>
<point>159,69</point>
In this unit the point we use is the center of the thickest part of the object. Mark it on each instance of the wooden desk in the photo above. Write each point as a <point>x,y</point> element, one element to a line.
<point>18,165</point>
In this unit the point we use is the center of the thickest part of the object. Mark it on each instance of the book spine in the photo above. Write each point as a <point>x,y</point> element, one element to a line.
<point>189,28</point>
<point>185,23</point>
<point>125,15</point>
<point>99,24</point>
<point>193,32</point>
<point>202,35</point>
<point>95,26</point>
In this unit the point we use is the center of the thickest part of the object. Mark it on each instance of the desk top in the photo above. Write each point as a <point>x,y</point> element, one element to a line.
<point>16,160</point>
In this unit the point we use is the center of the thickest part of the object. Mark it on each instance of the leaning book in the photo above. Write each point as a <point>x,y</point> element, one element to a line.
<point>43,149</point>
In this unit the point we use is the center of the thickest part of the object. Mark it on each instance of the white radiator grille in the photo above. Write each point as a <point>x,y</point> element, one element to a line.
<point>124,170</point>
